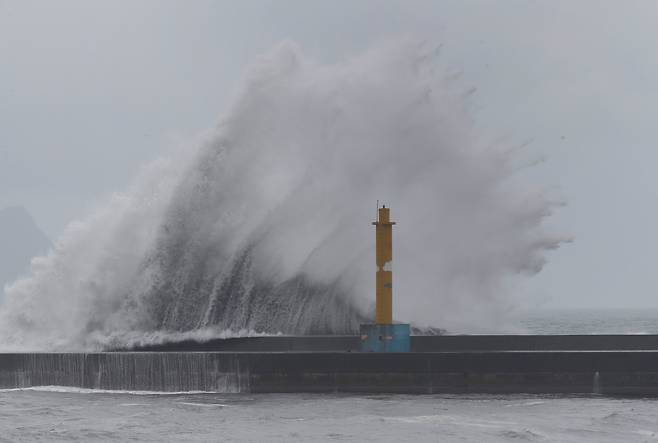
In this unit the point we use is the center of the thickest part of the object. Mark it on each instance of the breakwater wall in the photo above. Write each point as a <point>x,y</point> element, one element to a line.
<point>599,372</point>
<point>420,343</point>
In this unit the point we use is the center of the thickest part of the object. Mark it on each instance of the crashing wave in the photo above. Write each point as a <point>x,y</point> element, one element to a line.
<point>265,224</point>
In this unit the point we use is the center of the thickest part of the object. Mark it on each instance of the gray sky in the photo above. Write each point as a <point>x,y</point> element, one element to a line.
<point>92,90</point>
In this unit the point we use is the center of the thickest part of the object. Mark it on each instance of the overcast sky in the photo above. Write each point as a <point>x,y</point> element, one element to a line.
<point>92,90</point>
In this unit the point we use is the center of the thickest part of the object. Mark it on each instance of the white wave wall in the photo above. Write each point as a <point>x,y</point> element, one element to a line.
<point>281,193</point>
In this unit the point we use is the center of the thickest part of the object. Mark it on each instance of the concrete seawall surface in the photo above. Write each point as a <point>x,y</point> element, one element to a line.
<point>434,343</point>
<point>599,372</point>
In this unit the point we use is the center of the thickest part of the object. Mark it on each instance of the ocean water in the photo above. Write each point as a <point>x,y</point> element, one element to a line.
<point>586,321</point>
<point>68,414</point>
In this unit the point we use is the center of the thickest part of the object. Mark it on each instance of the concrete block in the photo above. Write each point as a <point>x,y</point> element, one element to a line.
<point>385,338</point>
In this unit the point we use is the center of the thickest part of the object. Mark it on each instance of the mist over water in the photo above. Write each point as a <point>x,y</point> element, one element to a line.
<point>265,224</point>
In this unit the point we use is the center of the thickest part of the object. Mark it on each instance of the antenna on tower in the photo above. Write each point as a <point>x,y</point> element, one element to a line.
<point>377,211</point>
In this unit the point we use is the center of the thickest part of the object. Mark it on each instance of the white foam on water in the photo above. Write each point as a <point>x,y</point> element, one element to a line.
<point>204,405</point>
<point>74,390</point>
<point>524,404</point>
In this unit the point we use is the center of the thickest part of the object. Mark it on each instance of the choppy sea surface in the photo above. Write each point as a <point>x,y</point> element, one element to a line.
<point>48,415</point>
<point>586,321</point>
<point>68,414</point>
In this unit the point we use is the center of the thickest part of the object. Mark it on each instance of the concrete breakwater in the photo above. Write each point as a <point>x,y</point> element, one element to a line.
<point>419,343</point>
<point>166,372</point>
<point>599,372</point>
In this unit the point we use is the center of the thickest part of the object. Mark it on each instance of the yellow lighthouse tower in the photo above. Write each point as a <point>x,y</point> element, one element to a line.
<point>384,259</point>
<point>384,336</point>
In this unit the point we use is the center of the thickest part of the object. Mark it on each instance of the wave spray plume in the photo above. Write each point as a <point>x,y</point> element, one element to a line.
<point>265,225</point>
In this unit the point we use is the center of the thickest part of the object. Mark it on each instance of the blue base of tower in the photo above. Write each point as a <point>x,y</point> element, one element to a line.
<point>385,338</point>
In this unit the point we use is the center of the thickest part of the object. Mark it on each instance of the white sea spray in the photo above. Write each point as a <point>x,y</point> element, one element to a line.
<point>264,225</point>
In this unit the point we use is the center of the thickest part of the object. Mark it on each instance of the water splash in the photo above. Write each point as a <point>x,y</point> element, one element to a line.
<point>265,224</point>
